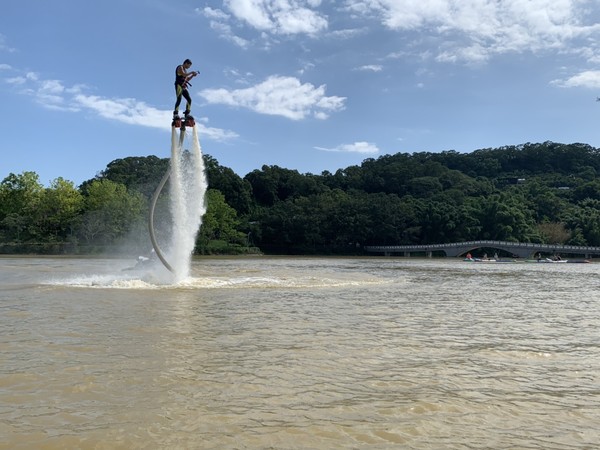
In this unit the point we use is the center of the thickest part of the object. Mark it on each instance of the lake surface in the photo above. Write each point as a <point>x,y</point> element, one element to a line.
<point>299,353</point>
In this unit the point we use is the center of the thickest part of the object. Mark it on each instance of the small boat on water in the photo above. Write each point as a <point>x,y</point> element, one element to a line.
<point>483,260</point>
<point>548,260</point>
<point>555,261</point>
<point>541,261</point>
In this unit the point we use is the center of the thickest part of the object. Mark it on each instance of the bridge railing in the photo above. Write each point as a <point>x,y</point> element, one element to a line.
<point>552,247</point>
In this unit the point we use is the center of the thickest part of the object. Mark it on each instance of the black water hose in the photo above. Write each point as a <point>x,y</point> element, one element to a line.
<point>151,219</point>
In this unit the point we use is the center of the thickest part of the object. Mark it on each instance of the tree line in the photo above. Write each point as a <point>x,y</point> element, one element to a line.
<point>535,192</point>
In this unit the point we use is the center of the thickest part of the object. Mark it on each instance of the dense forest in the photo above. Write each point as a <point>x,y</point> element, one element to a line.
<point>545,192</point>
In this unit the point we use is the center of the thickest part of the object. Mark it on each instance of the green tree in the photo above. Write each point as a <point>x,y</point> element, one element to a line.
<point>590,190</point>
<point>237,191</point>
<point>220,223</point>
<point>110,212</point>
<point>273,184</point>
<point>554,233</point>
<point>336,221</point>
<point>392,220</point>
<point>136,173</point>
<point>20,199</point>
<point>439,222</point>
<point>424,186</point>
<point>506,217</point>
<point>60,209</point>
<point>584,220</point>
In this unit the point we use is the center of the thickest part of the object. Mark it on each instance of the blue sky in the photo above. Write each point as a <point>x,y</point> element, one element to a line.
<point>310,85</point>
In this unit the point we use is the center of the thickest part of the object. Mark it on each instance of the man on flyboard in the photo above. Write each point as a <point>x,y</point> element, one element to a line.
<point>182,81</point>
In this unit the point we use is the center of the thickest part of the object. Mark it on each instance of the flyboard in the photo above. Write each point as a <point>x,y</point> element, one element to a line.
<point>176,146</point>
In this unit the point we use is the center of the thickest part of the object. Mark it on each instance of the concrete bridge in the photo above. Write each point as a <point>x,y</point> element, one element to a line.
<point>520,249</point>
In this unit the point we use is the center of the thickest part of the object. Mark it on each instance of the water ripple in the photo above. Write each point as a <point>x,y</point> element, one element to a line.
<point>301,353</point>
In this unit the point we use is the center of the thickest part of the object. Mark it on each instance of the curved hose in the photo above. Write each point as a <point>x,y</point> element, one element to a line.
<point>151,219</point>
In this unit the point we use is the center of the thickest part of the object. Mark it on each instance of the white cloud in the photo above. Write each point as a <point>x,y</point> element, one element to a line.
<point>52,87</point>
<point>224,30</point>
<point>254,12</point>
<point>284,17</point>
<point>5,67</point>
<point>475,30</point>
<point>306,66</point>
<point>471,31</point>
<point>135,112</point>
<point>357,147</point>
<point>4,46</point>
<point>282,96</point>
<point>211,13</point>
<point>126,110</point>
<point>587,79</point>
<point>371,68</point>
<point>347,33</point>
<point>218,21</point>
<point>53,94</point>
<point>471,54</point>
<point>50,93</point>
<point>16,80</point>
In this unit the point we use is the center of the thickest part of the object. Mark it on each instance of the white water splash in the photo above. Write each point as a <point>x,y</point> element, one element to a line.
<point>187,201</point>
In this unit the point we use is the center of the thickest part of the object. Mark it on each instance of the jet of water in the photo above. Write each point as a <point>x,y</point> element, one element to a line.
<point>187,200</point>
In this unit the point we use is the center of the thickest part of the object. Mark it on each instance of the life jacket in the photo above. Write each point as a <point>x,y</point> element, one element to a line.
<point>179,79</point>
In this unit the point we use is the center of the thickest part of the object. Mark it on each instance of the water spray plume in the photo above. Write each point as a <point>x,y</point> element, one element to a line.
<point>187,203</point>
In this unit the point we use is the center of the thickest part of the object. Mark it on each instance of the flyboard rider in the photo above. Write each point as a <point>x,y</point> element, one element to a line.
<point>182,81</point>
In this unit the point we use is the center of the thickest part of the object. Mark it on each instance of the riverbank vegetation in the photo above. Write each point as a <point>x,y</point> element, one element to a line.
<point>545,192</point>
